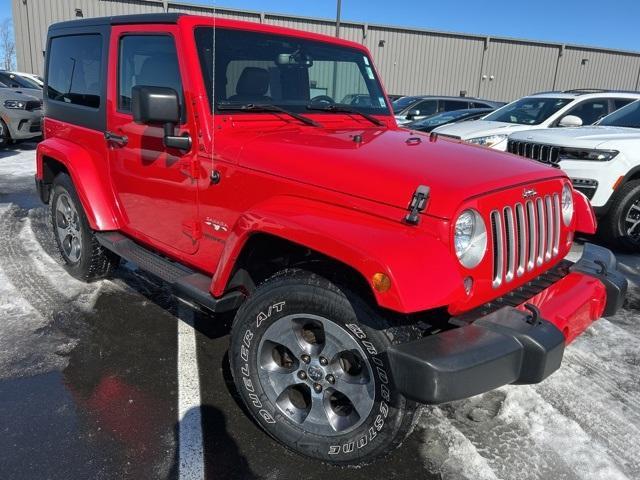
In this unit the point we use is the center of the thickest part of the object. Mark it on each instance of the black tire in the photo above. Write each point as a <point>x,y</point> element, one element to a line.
<point>92,262</point>
<point>614,227</point>
<point>5,135</point>
<point>299,293</point>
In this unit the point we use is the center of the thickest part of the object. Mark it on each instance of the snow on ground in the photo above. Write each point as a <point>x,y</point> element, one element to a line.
<point>35,290</point>
<point>581,423</point>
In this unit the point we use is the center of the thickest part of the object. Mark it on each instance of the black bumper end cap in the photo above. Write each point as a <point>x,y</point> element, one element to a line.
<point>601,263</point>
<point>502,348</point>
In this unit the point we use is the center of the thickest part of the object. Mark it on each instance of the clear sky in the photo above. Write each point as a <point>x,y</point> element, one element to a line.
<point>605,23</point>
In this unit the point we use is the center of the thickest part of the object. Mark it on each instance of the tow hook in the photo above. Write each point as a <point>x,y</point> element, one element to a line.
<point>534,318</point>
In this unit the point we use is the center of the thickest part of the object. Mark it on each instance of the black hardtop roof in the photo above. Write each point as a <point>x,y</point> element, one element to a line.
<point>168,18</point>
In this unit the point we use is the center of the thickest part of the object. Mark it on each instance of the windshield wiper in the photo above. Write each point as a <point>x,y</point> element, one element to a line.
<point>257,107</point>
<point>344,109</point>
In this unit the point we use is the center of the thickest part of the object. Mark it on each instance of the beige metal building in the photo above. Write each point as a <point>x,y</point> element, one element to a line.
<point>410,61</point>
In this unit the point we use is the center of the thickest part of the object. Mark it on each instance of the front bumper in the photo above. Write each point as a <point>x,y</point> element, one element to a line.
<point>24,124</point>
<point>512,345</point>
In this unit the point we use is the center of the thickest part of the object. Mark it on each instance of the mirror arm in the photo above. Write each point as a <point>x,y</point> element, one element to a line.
<point>172,141</point>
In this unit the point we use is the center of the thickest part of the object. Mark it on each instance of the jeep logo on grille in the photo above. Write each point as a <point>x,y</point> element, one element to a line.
<point>529,192</point>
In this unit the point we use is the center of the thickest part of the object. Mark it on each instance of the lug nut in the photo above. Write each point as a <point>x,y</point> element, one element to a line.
<point>302,375</point>
<point>306,358</point>
<point>317,387</point>
<point>331,379</point>
<point>323,361</point>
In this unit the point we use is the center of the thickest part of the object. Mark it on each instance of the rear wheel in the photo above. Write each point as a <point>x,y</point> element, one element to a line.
<point>308,359</point>
<point>621,226</point>
<point>83,256</point>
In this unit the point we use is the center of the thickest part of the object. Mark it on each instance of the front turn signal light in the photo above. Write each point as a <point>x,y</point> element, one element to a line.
<point>381,282</point>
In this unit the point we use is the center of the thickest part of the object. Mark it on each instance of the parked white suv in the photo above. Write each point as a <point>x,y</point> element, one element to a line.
<point>603,162</point>
<point>572,108</point>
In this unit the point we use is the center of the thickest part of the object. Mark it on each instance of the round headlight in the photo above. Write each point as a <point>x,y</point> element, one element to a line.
<point>470,238</point>
<point>567,204</point>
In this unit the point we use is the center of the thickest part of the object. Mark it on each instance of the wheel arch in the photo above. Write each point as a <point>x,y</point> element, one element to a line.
<point>354,243</point>
<point>56,156</point>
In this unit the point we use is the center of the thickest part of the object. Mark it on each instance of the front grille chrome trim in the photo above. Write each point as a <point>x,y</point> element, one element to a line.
<point>524,236</point>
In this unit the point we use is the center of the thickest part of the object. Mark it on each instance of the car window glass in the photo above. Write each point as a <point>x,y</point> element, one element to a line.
<point>628,116</point>
<point>449,105</point>
<point>590,111</point>
<point>286,72</point>
<point>402,103</point>
<point>427,107</point>
<point>529,110</point>
<point>618,103</point>
<point>149,60</point>
<point>75,70</point>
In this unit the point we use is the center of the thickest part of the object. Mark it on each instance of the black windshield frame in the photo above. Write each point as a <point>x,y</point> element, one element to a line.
<point>227,45</point>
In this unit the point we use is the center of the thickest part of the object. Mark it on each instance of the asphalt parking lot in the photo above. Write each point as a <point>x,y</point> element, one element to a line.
<point>117,380</point>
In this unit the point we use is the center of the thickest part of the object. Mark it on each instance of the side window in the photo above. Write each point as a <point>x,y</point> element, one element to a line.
<point>428,107</point>
<point>618,103</point>
<point>479,105</point>
<point>149,60</point>
<point>590,111</point>
<point>8,81</point>
<point>451,105</point>
<point>75,70</point>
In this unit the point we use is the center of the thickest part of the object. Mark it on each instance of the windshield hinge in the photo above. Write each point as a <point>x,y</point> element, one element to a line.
<point>418,205</point>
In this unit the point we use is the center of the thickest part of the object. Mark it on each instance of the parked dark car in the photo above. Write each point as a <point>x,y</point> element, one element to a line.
<point>410,109</point>
<point>445,118</point>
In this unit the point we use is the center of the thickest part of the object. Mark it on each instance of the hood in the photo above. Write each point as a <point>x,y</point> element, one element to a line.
<point>18,94</point>
<point>384,167</point>
<point>585,137</point>
<point>479,128</point>
<point>32,92</point>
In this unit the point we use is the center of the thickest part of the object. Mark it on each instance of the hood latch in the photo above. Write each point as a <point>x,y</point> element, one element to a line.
<point>418,205</point>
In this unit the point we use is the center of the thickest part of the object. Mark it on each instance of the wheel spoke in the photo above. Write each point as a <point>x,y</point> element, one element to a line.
<point>280,381</point>
<point>318,413</point>
<point>360,394</point>
<point>283,333</point>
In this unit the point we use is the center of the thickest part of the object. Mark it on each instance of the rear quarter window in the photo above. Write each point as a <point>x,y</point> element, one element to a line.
<point>75,70</point>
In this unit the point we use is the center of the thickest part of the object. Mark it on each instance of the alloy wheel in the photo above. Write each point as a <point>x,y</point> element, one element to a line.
<point>317,374</point>
<point>68,229</point>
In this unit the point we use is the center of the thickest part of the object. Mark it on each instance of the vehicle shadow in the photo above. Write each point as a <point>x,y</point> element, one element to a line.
<point>16,148</point>
<point>227,463</point>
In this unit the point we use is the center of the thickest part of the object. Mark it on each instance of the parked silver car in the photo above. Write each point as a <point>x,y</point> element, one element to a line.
<point>20,115</point>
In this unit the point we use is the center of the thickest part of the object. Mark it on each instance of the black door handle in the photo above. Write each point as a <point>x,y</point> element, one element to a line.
<point>119,140</point>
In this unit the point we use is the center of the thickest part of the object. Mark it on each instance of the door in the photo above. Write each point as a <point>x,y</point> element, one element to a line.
<point>155,186</point>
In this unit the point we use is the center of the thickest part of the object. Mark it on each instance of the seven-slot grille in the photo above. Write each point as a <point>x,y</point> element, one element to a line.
<point>535,151</point>
<point>524,236</point>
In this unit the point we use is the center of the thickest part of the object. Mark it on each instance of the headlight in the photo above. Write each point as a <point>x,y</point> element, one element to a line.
<point>470,238</point>
<point>567,204</point>
<point>15,104</point>
<point>590,155</point>
<point>489,141</point>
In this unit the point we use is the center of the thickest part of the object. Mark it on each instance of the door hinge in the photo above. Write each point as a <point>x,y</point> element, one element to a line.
<point>190,168</point>
<point>193,229</point>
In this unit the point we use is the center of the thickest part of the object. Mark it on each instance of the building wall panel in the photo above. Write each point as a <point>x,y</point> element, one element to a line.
<point>409,61</point>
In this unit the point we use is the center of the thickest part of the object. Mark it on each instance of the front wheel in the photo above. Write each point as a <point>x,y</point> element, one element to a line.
<point>621,227</point>
<point>308,359</point>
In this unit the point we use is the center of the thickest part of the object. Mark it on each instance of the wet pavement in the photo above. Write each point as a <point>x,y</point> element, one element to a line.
<point>92,382</point>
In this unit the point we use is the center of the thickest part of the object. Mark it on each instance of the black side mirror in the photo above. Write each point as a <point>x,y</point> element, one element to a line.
<point>159,106</point>
<point>413,113</point>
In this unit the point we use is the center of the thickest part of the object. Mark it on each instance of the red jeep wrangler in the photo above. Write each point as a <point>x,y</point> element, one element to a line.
<point>373,269</point>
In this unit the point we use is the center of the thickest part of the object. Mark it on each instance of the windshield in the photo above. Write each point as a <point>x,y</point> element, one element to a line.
<point>528,111</point>
<point>18,81</point>
<point>404,102</point>
<point>447,117</point>
<point>628,116</point>
<point>290,73</point>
